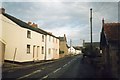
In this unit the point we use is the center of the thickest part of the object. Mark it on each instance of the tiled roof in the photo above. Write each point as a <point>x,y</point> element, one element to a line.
<point>25,25</point>
<point>112,31</point>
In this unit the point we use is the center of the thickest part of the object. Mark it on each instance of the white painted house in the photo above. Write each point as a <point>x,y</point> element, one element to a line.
<point>71,50</point>
<point>2,43</point>
<point>26,42</point>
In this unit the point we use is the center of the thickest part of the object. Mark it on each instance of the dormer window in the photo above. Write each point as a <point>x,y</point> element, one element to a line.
<point>28,34</point>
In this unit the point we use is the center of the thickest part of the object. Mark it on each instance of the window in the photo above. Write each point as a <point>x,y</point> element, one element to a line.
<point>49,38</point>
<point>49,51</point>
<point>42,50</point>
<point>56,51</point>
<point>42,38</point>
<point>28,48</point>
<point>28,34</point>
<point>53,39</point>
<point>56,40</point>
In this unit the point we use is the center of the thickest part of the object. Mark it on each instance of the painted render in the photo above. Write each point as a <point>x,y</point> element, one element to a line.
<point>16,40</point>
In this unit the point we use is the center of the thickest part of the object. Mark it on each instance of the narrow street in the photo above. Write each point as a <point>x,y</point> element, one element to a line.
<point>69,67</point>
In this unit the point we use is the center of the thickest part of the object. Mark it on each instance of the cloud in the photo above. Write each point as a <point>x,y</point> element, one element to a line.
<point>70,18</point>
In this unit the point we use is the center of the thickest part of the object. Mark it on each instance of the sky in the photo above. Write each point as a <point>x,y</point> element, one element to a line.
<point>65,17</point>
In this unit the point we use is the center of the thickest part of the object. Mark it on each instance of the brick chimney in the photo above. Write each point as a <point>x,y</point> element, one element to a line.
<point>33,24</point>
<point>30,23</point>
<point>2,10</point>
<point>50,32</point>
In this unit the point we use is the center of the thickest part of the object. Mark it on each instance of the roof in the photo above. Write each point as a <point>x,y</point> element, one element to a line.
<point>112,31</point>
<point>62,38</point>
<point>96,44</point>
<point>77,47</point>
<point>25,25</point>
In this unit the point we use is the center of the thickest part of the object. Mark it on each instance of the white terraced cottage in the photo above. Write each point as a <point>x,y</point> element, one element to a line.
<point>26,42</point>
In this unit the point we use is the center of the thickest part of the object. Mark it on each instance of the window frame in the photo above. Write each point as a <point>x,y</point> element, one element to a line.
<point>28,49</point>
<point>42,38</point>
<point>42,49</point>
<point>28,34</point>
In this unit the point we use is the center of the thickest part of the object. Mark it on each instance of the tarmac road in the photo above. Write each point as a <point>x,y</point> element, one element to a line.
<point>69,67</point>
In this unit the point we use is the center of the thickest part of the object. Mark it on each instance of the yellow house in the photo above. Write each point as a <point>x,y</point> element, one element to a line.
<point>63,46</point>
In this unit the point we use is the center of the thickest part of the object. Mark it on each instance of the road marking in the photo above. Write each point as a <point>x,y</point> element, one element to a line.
<point>29,74</point>
<point>56,70</point>
<point>45,77</point>
<point>65,65</point>
<point>69,62</point>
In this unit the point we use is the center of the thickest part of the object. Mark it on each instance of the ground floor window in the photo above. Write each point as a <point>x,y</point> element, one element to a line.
<point>42,50</point>
<point>49,51</point>
<point>28,49</point>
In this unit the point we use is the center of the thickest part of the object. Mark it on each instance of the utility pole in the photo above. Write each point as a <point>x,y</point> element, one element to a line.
<point>83,42</point>
<point>70,45</point>
<point>91,46</point>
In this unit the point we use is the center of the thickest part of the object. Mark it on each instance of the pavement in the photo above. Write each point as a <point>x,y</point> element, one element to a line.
<point>13,66</point>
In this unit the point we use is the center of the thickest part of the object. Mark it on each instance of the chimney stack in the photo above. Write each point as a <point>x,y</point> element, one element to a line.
<point>33,24</point>
<point>2,10</point>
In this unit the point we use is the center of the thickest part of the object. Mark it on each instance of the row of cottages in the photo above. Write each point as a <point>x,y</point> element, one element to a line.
<point>110,47</point>
<point>2,43</point>
<point>63,51</point>
<point>25,41</point>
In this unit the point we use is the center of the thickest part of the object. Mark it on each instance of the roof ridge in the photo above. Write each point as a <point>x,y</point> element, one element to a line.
<point>25,25</point>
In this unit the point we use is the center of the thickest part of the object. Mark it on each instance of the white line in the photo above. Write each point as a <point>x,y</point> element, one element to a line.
<point>69,62</point>
<point>45,77</point>
<point>29,74</point>
<point>56,70</point>
<point>65,65</point>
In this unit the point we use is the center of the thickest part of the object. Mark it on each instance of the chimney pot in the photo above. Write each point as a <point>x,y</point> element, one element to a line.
<point>2,10</point>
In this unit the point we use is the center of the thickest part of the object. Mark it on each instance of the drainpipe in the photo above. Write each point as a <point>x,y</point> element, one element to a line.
<point>45,47</point>
<point>108,66</point>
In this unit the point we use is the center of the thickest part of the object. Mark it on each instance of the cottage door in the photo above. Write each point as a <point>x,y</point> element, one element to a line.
<point>34,53</point>
<point>38,48</point>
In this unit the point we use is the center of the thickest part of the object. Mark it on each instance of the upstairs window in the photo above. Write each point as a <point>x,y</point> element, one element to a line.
<point>42,38</point>
<point>49,38</point>
<point>53,39</point>
<point>28,34</point>
<point>56,40</point>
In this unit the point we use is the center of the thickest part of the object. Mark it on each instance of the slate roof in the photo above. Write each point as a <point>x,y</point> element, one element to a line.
<point>25,25</point>
<point>110,34</point>
<point>112,31</point>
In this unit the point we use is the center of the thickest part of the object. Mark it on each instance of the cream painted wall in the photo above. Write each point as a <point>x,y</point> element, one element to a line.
<point>53,46</point>
<point>16,37</point>
<point>2,44</point>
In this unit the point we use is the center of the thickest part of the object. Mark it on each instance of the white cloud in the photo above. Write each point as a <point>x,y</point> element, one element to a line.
<point>70,18</point>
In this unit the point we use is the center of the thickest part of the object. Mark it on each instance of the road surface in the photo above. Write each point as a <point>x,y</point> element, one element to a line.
<point>69,67</point>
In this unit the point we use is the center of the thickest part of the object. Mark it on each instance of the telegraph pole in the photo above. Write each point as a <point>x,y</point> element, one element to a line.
<point>91,46</point>
<point>70,45</point>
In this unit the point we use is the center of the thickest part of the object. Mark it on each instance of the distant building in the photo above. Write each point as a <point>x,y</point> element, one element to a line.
<point>78,50</point>
<point>63,46</point>
<point>110,46</point>
<point>71,50</point>
<point>26,42</point>
<point>95,44</point>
